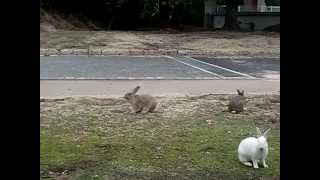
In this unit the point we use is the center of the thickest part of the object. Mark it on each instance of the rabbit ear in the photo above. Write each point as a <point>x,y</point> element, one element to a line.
<point>135,89</point>
<point>266,133</point>
<point>258,132</point>
<point>240,93</point>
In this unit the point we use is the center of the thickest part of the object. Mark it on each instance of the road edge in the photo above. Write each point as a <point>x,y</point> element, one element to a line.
<point>174,52</point>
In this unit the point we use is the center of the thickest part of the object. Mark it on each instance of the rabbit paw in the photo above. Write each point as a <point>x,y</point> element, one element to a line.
<point>264,164</point>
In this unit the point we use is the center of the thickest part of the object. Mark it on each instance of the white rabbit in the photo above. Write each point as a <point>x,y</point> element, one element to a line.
<point>253,150</point>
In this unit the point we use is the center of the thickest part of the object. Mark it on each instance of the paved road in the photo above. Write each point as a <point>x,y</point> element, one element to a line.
<point>163,67</point>
<point>63,76</point>
<point>257,67</point>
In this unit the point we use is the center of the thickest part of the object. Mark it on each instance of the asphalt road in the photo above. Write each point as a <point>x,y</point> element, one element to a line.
<point>257,67</point>
<point>152,67</point>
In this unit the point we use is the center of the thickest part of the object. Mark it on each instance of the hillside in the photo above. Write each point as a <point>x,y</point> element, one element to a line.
<point>53,20</point>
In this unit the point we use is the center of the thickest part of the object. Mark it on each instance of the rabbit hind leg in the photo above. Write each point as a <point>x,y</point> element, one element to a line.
<point>137,109</point>
<point>152,107</point>
<point>247,163</point>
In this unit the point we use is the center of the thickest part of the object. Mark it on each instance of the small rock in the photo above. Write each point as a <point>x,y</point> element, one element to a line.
<point>269,114</point>
<point>209,121</point>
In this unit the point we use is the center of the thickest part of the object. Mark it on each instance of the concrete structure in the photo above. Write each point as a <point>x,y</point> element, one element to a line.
<point>253,14</point>
<point>249,6</point>
<point>209,11</point>
<point>260,21</point>
<point>254,5</point>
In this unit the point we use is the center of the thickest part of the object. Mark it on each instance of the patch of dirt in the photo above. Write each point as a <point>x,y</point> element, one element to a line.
<point>51,21</point>
<point>211,41</point>
<point>63,173</point>
<point>265,110</point>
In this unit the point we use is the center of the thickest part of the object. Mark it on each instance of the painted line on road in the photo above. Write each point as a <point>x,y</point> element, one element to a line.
<point>129,78</point>
<point>226,69</point>
<point>209,72</point>
<point>144,78</point>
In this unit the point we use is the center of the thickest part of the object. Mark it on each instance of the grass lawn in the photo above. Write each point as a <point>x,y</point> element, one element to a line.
<point>186,138</point>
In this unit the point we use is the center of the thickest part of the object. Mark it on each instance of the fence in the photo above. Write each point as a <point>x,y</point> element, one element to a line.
<point>270,9</point>
<point>222,9</point>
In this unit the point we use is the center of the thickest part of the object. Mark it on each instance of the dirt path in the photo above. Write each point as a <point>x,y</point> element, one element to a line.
<point>170,88</point>
<point>206,42</point>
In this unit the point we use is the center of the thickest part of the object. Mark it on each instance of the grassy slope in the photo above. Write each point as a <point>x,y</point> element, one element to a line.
<point>188,138</point>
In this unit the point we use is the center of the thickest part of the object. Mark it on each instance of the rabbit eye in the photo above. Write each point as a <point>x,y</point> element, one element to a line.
<point>261,149</point>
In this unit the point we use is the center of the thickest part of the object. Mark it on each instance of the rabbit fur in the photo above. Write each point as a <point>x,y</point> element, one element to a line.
<point>237,103</point>
<point>140,102</point>
<point>253,151</point>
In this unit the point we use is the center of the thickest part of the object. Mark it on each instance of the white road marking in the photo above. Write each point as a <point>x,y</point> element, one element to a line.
<point>129,78</point>
<point>195,67</point>
<point>226,69</point>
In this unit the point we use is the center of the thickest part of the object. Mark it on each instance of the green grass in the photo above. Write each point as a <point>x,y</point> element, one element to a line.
<point>91,141</point>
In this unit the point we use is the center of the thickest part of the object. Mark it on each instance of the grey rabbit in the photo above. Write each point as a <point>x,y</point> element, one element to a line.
<point>140,102</point>
<point>237,103</point>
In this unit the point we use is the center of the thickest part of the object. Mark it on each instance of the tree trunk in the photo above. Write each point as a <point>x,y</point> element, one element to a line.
<point>231,19</point>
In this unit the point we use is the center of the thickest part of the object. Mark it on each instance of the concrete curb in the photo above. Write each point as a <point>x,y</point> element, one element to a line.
<point>63,98</point>
<point>174,52</point>
<point>117,88</point>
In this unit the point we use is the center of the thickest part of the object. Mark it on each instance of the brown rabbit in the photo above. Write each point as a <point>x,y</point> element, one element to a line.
<point>237,103</point>
<point>139,102</point>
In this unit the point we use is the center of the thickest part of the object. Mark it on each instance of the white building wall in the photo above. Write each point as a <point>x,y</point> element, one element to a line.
<point>260,5</point>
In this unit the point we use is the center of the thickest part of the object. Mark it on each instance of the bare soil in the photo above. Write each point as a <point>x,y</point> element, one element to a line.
<point>225,43</point>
